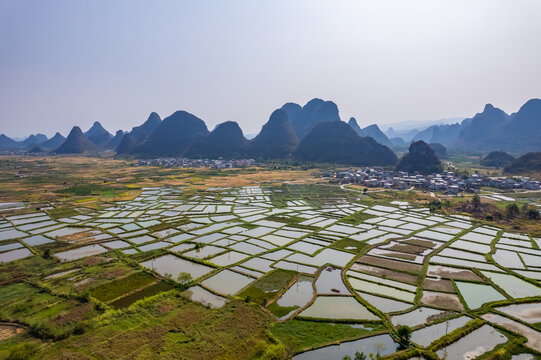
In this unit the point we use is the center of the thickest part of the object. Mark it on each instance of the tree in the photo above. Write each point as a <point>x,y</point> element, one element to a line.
<point>184,278</point>
<point>533,214</point>
<point>360,356</point>
<point>47,253</point>
<point>365,190</point>
<point>404,332</point>
<point>435,205</point>
<point>476,201</point>
<point>346,357</point>
<point>512,210</point>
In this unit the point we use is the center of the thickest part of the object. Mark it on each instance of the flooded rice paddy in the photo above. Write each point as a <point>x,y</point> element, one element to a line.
<point>474,344</point>
<point>338,307</point>
<point>380,345</point>
<point>402,260</point>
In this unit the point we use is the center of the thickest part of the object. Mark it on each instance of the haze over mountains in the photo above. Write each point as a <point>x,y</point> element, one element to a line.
<point>313,132</point>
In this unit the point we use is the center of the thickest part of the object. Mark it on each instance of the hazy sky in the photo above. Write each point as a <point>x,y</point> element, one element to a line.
<point>65,63</point>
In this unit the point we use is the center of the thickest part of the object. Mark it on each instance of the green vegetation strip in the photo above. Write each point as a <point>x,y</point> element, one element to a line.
<point>115,289</point>
<point>268,286</point>
<point>299,335</point>
<point>146,292</point>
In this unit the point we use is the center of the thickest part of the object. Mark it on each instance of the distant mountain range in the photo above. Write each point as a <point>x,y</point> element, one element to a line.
<point>327,138</point>
<point>313,132</point>
<point>491,130</point>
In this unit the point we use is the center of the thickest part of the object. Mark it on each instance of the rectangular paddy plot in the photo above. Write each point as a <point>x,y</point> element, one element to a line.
<point>298,295</point>
<point>117,288</point>
<point>13,255</point>
<point>380,344</point>
<point>429,334</point>
<point>529,312</point>
<point>377,289</point>
<point>205,297</point>
<point>533,336</point>
<point>338,307</point>
<point>227,282</point>
<point>475,295</point>
<point>512,285</point>
<point>81,252</point>
<point>415,317</point>
<point>474,344</point>
<point>173,265</point>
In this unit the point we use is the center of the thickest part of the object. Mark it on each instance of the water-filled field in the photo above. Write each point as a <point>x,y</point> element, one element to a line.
<point>301,256</point>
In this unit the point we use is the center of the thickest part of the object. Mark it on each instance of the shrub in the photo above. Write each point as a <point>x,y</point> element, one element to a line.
<point>80,328</point>
<point>360,356</point>
<point>512,210</point>
<point>275,352</point>
<point>476,201</point>
<point>183,278</point>
<point>21,351</point>
<point>47,254</point>
<point>533,214</point>
<point>44,331</point>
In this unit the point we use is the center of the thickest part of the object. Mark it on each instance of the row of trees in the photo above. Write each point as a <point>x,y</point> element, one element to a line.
<point>512,210</point>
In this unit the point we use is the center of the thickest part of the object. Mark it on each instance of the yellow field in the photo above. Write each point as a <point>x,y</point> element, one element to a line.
<point>38,179</point>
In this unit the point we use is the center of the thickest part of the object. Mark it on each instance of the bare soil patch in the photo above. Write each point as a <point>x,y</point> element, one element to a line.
<point>390,264</point>
<point>8,331</point>
<point>439,285</point>
<point>442,300</point>
<point>453,273</point>
<point>388,274</point>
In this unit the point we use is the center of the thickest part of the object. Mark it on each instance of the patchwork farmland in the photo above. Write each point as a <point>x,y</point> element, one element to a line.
<point>321,271</point>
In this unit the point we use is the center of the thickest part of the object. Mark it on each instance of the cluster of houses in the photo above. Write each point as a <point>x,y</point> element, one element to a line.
<point>446,182</point>
<point>22,152</point>
<point>188,163</point>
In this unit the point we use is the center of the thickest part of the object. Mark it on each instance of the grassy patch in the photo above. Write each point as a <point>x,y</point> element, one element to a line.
<point>15,292</point>
<point>104,190</point>
<point>63,212</point>
<point>268,286</point>
<point>48,316</point>
<point>298,335</point>
<point>169,327</point>
<point>280,311</point>
<point>357,218</point>
<point>114,289</point>
<point>148,291</point>
<point>349,245</point>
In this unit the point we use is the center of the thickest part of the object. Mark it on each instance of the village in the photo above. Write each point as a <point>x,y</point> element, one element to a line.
<point>447,182</point>
<point>196,163</point>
